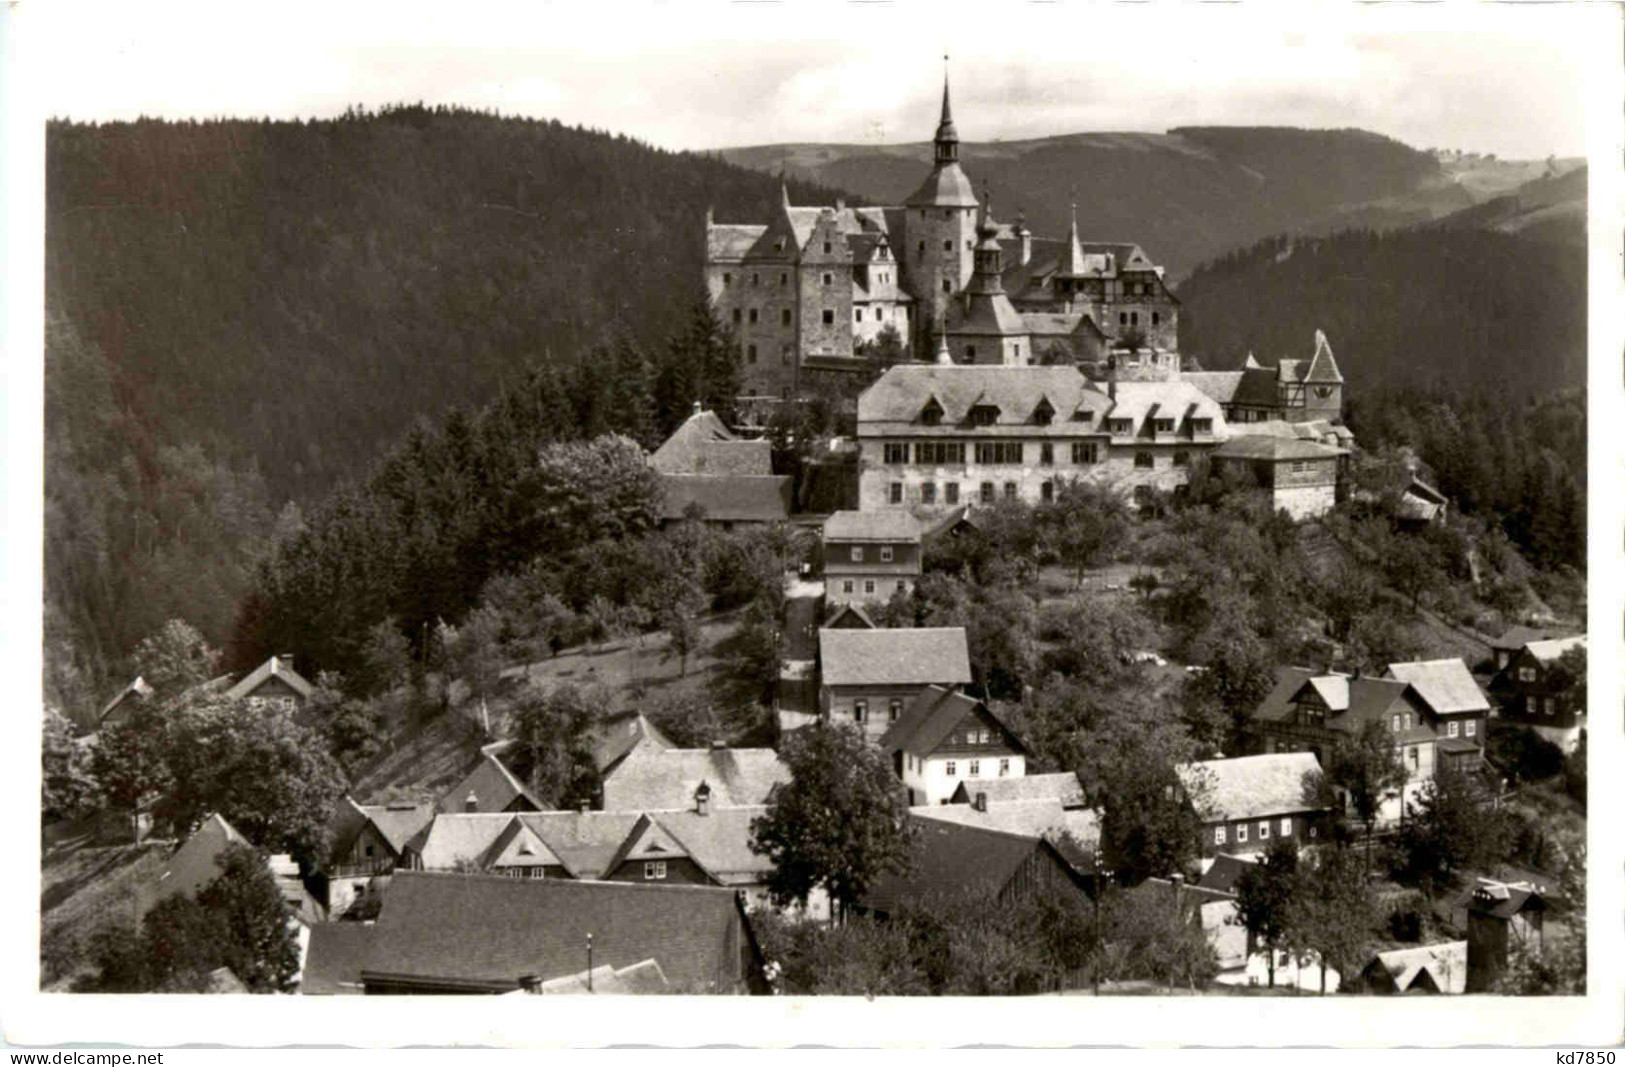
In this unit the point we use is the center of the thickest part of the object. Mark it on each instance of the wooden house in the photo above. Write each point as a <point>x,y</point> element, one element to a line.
<point>1246,803</point>
<point>1459,709</point>
<point>867,677</point>
<point>1532,691</point>
<point>870,556</point>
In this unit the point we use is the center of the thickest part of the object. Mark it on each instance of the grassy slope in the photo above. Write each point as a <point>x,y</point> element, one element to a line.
<point>86,889</point>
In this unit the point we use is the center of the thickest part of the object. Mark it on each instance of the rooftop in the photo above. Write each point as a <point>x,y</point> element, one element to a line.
<point>1446,684</point>
<point>1061,786</point>
<point>1251,787</point>
<point>872,526</point>
<point>727,497</point>
<point>666,779</point>
<point>929,655</point>
<point>275,667</point>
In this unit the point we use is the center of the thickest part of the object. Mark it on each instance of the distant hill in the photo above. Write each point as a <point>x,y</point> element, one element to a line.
<point>1494,295</point>
<point>1186,196</point>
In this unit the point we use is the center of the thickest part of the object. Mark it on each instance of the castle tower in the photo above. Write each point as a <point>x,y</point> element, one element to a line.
<point>939,226</point>
<point>983,326</point>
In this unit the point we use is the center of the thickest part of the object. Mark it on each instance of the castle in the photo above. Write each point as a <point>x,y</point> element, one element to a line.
<point>806,291</point>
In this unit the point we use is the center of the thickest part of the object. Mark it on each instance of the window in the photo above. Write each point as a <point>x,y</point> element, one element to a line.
<point>970,353</point>
<point>1085,452</point>
<point>727,279</point>
<point>1163,425</point>
<point>998,452</point>
<point>1286,827</point>
<point>931,414</point>
<point>1546,706</point>
<point>1314,831</point>
<point>939,453</point>
<point>1120,426</point>
<point>1201,426</point>
<point>1046,492</point>
<point>1396,724</point>
<point>928,492</point>
<point>981,414</point>
<point>1155,318</point>
<point>784,317</point>
<point>828,278</point>
<point>1416,756</point>
<point>893,710</point>
<point>896,452</point>
<point>750,353</point>
<point>1122,318</point>
<point>1407,721</point>
<point>947,285</point>
<point>901,585</point>
<point>1182,459</point>
<point>1218,835</point>
<point>1526,674</point>
<point>1241,835</point>
<point>975,768</point>
<point>739,316</point>
<point>829,316</point>
<point>987,492</point>
<point>1144,459</point>
<point>846,586</point>
<point>869,585</point>
<point>1472,727</point>
<point>1046,454</point>
<point>827,250</point>
<point>1009,490</point>
<point>885,553</point>
<point>1263,829</point>
<point>1454,729</point>
<point>536,872</point>
<point>755,314</point>
<point>921,249</point>
<point>655,871</point>
<point>756,279</point>
<point>952,769</point>
<point>1300,466</point>
<point>951,493</point>
<point>857,553</point>
<point>1004,768</point>
<point>857,314</point>
<point>947,246</point>
<point>860,711</point>
<point>1134,318</point>
<point>897,492</point>
<point>368,850</point>
<point>784,281</point>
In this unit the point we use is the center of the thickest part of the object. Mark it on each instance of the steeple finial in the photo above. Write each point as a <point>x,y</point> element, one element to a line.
<point>947,112</point>
<point>947,138</point>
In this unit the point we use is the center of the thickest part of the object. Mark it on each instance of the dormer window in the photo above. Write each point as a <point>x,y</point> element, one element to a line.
<point>931,414</point>
<point>1083,415</point>
<point>983,415</point>
<point>1121,426</point>
<point>1164,425</point>
<point>778,246</point>
<point>1044,413</point>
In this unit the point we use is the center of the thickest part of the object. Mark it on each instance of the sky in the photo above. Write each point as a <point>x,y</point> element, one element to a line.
<point>1507,79</point>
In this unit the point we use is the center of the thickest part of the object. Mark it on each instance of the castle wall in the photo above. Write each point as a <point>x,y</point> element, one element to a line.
<point>1005,351</point>
<point>937,245</point>
<point>752,298</point>
<point>824,302</point>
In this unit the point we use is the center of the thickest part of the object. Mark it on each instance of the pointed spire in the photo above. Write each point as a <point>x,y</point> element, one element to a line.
<point>1072,257</point>
<point>947,137</point>
<point>947,110</point>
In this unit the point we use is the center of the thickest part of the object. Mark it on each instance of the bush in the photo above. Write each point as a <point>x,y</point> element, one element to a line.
<point>1523,755</point>
<point>1407,917</point>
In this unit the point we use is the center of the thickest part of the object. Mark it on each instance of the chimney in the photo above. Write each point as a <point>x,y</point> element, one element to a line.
<point>840,203</point>
<point>980,802</point>
<point>471,802</point>
<point>702,799</point>
<point>1178,881</point>
<point>697,408</point>
<point>284,659</point>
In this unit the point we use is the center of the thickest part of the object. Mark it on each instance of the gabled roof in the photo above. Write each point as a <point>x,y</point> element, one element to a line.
<point>919,656</point>
<point>640,978</point>
<point>494,786</point>
<point>719,842</point>
<point>951,860</point>
<point>856,611</point>
<point>1075,834</point>
<point>138,689</point>
<point>275,667</point>
<point>519,845</point>
<point>397,824</point>
<point>1221,385</point>
<point>730,241</point>
<point>1350,701</point>
<point>1275,449</point>
<point>895,400</point>
<point>984,315</point>
<point>461,838</point>
<point>703,445</point>
<point>484,933</point>
<point>1550,651</point>
<point>615,736</point>
<point>1445,684</point>
<point>666,779</point>
<point>648,841</point>
<point>1250,787</point>
<point>1062,787</point>
<point>334,959</point>
<point>1225,870</point>
<point>1515,638</point>
<point>931,716</point>
<point>585,842</point>
<point>726,497</point>
<point>1445,964</point>
<point>1502,901</point>
<point>872,526</point>
<point>192,866</point>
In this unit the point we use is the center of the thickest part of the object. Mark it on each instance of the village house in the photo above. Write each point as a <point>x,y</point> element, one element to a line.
<point>1426,969</point>
<point>465,933</point>
<point>273,683</point>
<point>366,843</point>
<point>1299,476</point>
<point>1075,833</point>
<point>1512,642</point>
<point>957,865</point>
<point>1311,712</point>
<point>1214,910</point>
<point>867,677</point>
<point>944,739</point>
<point>1246,803</point>
<point>1459,709</point>
<point>869,556</point>
<point>937,437</point>
<point>651,778</point>
<point>707,471</point>
<point>489,787</point>
<point>121,706</point>
<point>1533,691</point>
<point>849,617</point>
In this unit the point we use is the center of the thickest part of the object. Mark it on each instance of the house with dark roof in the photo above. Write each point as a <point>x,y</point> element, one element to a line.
<point>956,865</point>
<point>944,739</point>
<point>367,842</point>
<point>1075,833</point>
<point>1300,476</point>
<point>273,683</point>
<point>1294,390</point>
<point>1533,690</point>
<point>335,958</point>
<point>1459,708</point>
<point>128,699</point>
<point>1224,870</point>
<point>869,556</point>
<point>849,617</point>
<point>490,786</point>
<point>456,933</point>
<point>1511,642</point>
<point>1308,711</point>
<point>867,677</point>
<point>706,470</point>
<point>1247,802</point>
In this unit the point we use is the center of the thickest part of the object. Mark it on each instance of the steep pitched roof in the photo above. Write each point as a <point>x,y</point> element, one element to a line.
<point>872,526</point>
<point>703,445</point>
<point>1444,963</point>
<point>1516,637</point>
<point>1221,385</point>
<point>1548,651</point>
<point>275,667</point>
<point>334,959</point>
<point>853,610</point>
<point>397,824</point>
<point>648,841</point>
<point>932,715</point>
<point>894,402</point>
<point>1503,901</point>
<point>666,779</point>
<point>719,841</point>
<point>1062,787</point>
<point>730,241</point>
<point>1351,701</point>
<point>1446,684</point>
<point>614,737</point>
<point>895,657</point>
<point>945,186</point>
<point>984,315</point>
<point>951,860</point>
<point>192,866</point>
<point>727,497</point>
<point>485,933</point>
<point>493,786</point>
<point>1225,870</point>
<point>454,838</point>
<point>1251,786</point>
<point>1176,400</point>
<point>1075,834</point>
<point>585,842</point>
<point>1322,365</point>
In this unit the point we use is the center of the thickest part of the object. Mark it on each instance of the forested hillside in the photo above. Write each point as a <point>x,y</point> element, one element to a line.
<point>244,314</point>
<point>1186,196</point>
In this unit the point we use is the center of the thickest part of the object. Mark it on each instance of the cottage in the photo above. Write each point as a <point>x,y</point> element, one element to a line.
<point>454,933</point>
<point>273,683</point>
<point>944,739</point>
<point>958,864</point>
<point>870,556</point>
<point>1512,642</point>
<point>1534,690</point>
<point>869,676</point>
<point>367,842</point>
<point>1300,476</point>
<point>1458,707</point>
<point>1246,803</point>
<point>490,787</point>
<point>707,470</point>
<point>1435,969</point>
<point>670,779</point>
<point>1420,505</point>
